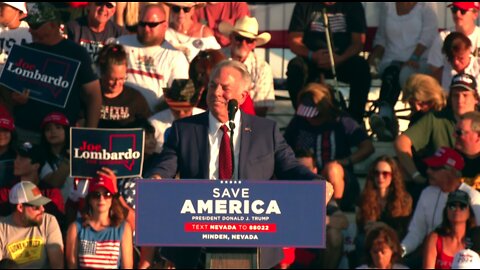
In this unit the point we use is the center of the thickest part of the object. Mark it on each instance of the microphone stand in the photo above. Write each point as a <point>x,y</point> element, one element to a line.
<point>231,124</point>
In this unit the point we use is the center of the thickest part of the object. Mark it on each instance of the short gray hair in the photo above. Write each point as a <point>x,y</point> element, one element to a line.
<point>475,117</point>
<point>246,77</point>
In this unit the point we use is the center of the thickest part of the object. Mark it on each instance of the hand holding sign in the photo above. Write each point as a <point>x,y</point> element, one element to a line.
<point>21,98</point>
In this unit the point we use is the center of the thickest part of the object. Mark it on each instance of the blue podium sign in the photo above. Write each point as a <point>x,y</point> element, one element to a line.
<point>119,149</point>
<point>49,77</point>
<point>230,213</point>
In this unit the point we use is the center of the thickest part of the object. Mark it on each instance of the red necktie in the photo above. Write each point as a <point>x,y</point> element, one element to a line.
<point>225,156</point>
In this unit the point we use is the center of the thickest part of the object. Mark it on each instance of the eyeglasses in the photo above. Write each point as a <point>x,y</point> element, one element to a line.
<point>35,26</point>
<point>107,4</point>
<point>34,207</point>
<point>385,174</point>
<point>455,9</point>
<point>177,9</point>
<point>115,80</point>
<point>453,206</point>
<point>97,194</point>
<point>150,24</point>
<point>240,39</point>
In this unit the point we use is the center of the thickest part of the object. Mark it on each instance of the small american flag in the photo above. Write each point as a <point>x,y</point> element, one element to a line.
<point>99,254</point>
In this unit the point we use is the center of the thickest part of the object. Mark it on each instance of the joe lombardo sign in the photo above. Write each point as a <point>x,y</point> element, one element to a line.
<point>118,149</point>
<point>49,77</point>
<point>230,213</point>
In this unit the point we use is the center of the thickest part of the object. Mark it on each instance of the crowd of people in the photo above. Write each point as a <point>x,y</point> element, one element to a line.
<point>172,68</point>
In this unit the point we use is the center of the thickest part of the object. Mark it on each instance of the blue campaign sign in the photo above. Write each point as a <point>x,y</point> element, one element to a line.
<point>49,77</point>
<point>118,149</point>
<point>230,213</point>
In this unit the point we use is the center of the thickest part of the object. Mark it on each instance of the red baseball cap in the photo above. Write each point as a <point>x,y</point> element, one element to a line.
<point>465,5</point>
<point>101,181</point>
<point>6,122</point>
<point>57,118</point>
<point>446,156</point>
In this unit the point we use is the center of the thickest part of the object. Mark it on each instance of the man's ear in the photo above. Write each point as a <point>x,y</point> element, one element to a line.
<point>19,208</point>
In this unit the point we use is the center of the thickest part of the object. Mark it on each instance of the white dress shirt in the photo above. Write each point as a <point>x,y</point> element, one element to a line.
<point>215,135</point>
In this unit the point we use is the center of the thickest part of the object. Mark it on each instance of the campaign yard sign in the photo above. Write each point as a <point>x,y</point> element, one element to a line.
<point>118,149</point>
<point>49,77</point>
<point>230,213</point>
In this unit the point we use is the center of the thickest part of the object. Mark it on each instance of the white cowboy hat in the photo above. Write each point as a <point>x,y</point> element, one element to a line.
<point>186,4</point>
<point>246,27</point>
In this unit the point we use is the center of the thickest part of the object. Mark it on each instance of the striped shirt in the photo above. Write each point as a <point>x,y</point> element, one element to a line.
<point>99,249</point>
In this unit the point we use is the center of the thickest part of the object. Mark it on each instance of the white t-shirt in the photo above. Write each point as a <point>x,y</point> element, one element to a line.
<point>263,92</point>
<point>150,69</point>
<point>10,37</point>
<point>448,72</point>
<point>162,121</point>
<point>437,59</point>
<point>191,46</point>
<point>428,213</point>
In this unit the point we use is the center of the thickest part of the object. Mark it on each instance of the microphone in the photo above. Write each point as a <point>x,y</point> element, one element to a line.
<point>232,109</point>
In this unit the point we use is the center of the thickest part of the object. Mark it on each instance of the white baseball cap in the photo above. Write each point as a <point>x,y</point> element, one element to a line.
<point>27,192</point>
<point>466,259</point>
<point>22,6</point>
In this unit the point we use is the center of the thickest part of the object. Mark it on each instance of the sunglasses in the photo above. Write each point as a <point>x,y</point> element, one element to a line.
<point>177,9</point>
<point>150,24</point>
<point>240,39</point>
<point>462,11</point>
<point>453,206</point>
<point>35,207</point>
<point>107,4</point>
<point>97,194</point>
<point>385,174</point>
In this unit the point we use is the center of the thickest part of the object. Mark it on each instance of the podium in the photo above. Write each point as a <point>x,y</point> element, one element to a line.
<point>232,258</point>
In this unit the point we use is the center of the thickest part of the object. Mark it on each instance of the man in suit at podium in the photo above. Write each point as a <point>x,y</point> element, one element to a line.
<point>199,147</point>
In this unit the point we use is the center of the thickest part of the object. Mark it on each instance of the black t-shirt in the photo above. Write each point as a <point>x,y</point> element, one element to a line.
<point>79,32</point>
<point>124,109</point>
<point>344,18</point>
<point>472,167</point>
<point>30,115</point>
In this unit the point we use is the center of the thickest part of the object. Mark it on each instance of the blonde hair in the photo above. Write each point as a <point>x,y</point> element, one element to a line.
<point>321,95</point>
<point>424,88</point>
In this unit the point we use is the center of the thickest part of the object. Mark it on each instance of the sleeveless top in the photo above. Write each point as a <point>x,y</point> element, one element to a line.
<point>443,261</point>
<point>99,249</point>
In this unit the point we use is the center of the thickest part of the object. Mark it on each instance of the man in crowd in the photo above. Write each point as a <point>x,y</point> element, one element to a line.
<point>464,15</point>
<point>85,95</point>
<point>152,62</point>
<point>444,175</point>
<point>12,13</point>
<point>244,39</point>
<point>307,39</point>
<point>29,236</point>
<point>436,129</point>
<point>467,142</point>
<point>96,28</point>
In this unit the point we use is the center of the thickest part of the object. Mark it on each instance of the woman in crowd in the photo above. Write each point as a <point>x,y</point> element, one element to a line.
<point>121,105</point>
<point>384,197</point>
<point>56,142</point>
<point>423,93</point>
<point>442,244</point>
<point>7,136</point>
<point>103,227</point>
<point>382,249</point>
<point>320,126</point>
<point>186,34</point>
<point>457,48</point>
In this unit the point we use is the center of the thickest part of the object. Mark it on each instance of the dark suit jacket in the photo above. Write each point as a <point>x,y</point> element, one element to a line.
<point>263,155</point>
